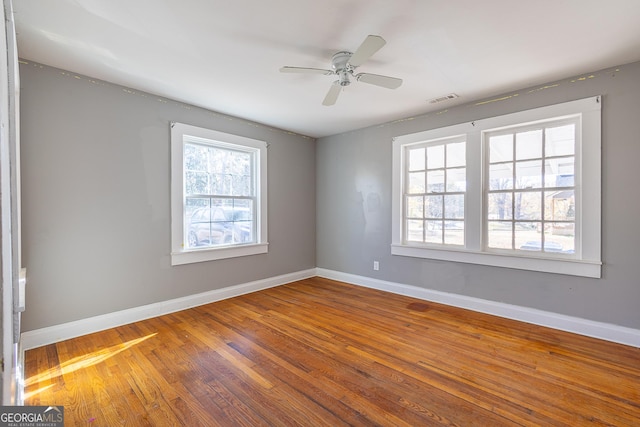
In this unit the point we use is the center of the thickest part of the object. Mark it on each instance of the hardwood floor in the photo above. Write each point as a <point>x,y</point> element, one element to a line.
<point>319,352</point>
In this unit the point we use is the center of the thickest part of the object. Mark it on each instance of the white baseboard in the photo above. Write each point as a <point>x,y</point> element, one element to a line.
<point>605,331</point>
<point>590,328</point>
<point>64,331</point>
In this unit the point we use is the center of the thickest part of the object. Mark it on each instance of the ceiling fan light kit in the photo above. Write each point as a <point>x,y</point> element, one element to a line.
<point>344,63</point>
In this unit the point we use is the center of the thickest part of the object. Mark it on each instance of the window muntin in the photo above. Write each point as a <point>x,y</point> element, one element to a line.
<point>218,195</point>
<point>559,174</point>
<point>434,194</point>
<point>530,189</point>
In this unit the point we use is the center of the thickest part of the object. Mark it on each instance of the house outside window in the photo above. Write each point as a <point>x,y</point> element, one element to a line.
<point>218,195</point>
<point>526,195</point>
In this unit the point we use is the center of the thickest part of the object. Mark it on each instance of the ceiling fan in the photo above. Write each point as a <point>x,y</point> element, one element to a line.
<point>344,63</point>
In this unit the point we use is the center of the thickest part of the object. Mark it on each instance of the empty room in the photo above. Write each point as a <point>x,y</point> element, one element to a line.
<point>332,213</point>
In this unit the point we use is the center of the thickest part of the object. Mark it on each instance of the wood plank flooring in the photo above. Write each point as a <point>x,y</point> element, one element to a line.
<point>324,353</point>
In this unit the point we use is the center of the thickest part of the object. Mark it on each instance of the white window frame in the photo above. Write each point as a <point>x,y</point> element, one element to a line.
<point>182,134</point>
<point>587,261</point>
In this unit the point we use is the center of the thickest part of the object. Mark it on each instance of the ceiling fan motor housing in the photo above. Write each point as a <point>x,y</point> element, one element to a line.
<point>340,63</point>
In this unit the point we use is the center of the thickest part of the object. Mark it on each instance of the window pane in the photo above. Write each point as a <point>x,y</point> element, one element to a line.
<point>206,226</point>
<point>527,236</point>
<point>454,232</point>
<point>196,182</point>
<point>414,230</point>
<point>529,145</point>
<point>240,185</point>
<point>197,216</point>
<point>240,171</point>
<point>195,157</point>
<point>456,179</point>
<point>559,172</point>
<point>434,232</point>
<point>560,237</point>
<point>415,206</point>
<point>454,206</point>
<point>217,168</point>
<point>499,206</point>
<point>230,172</point>
<point>560,141</point>
<point>416,159</point>
<point>243,210</point>
<point>456,154</point>
<point>528,205</point>
<point>501,148</point>
<point>529,174</point>
<point>240,220</point>
<point>435,181</point>
<point>220,184</point>
<point>560,205</point>
<point>434,206</point>
<point>416,183</point>
<point>500,235</point>
<point>501,176</point>
<point>435,157</point>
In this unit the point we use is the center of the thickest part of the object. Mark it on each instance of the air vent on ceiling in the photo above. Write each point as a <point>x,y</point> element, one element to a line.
<point>443,98</point>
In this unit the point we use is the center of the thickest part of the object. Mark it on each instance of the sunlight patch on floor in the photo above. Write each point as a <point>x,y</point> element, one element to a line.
<point>80,362</point>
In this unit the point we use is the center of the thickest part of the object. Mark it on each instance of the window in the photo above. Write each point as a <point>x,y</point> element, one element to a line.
<point>530,193</point>
<point>218,195</point>
<point>520,191</point>
<point>436,181</point>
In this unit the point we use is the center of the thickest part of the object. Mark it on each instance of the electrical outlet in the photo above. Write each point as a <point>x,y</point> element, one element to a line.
<point>376,265</point>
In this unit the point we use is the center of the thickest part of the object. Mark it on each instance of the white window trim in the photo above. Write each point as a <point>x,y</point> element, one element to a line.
<point>588,158</point>
<point>180,255</point>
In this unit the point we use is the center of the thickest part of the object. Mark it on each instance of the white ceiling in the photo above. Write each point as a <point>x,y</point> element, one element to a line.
<point>225,55</point>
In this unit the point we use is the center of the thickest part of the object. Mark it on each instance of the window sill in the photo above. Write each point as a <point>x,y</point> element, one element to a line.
<point>570,267</point>
<point>212,254</point>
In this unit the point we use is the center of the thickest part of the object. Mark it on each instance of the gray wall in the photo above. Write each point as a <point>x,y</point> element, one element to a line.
<point>95,199</point>
<point>95,202</point>
<point>354,207</point>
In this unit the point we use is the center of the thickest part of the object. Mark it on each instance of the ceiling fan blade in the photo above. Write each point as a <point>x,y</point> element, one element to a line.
<point>369,46</point>
<point>332,95</point>
<point>305,70</point>
<point>378,80</point>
